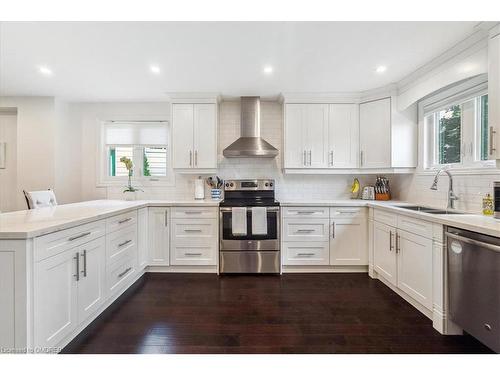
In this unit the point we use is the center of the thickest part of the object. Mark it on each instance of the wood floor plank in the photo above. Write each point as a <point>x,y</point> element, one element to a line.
<point>293,313</point>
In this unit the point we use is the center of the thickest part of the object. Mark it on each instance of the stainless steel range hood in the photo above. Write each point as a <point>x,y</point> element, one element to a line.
<point>250,144</point>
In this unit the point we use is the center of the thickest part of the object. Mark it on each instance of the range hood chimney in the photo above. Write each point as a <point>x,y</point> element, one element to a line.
<point>250,144</point>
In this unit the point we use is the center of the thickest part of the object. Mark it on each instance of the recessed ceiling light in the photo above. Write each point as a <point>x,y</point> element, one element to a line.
<point>155,69</point>
<point>381,69</point>
<point>45,70</point>
<point>268,69</point>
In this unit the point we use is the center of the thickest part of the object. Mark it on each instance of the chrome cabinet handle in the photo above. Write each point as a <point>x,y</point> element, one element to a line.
<point>77,258</point>
<point>190,158</point>
<point>398,239</point>
<point>79,236</point>
<point>192,230</point>
<point>361,158</point>
<point>84,256</point>
<point>304,230</point>
<point>492,132</point>
<point>193,212</point>
<point>305,254</point>
<point>390,241</point>
<point>310,157</point>
<point>124,272</point>
<point>194,254</point>
<point>304,159</point>
<point>124,220</point>
<point>305,212</point>
<point>124,243</point>
<point>331,158</point>
<point>196,158</point>
<point>333,230</point>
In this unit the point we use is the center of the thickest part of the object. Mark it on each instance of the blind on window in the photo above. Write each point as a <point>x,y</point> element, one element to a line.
<point>135,133</point>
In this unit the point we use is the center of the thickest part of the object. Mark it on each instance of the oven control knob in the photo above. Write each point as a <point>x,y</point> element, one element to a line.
<point>231,184</point>
<point>270,184</point>
<point>266,184</point>
<point>227,184</point>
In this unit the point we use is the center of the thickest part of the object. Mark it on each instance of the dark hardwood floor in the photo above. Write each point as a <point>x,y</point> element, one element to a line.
<point>294,313</point>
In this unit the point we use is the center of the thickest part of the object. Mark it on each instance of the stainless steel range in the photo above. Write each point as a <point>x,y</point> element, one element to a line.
<point>249,227</point>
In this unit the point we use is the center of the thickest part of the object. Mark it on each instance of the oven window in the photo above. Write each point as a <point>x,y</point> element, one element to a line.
<point>272,227</point>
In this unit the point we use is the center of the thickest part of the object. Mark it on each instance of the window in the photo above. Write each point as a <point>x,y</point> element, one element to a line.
<point>143,142</point>
<point>456,131</point>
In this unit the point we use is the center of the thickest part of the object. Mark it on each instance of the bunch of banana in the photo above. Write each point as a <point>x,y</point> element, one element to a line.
<point>355,188</point>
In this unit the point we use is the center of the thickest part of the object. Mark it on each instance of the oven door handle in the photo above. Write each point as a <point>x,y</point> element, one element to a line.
<point>269,209</point>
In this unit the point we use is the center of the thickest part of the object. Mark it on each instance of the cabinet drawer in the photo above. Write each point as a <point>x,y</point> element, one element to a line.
<point>194,254</point>
<point>194,212</point>
<point>121,244</point>
<point>119,274</point>
<point>347,212</point>
<point>385,217</point>
<point>55,243</point>
<point>189,230</point>
<point>415,226</point>
<point>306,253</point>
<point>304,212</point>
<point>120,221</point>
<point>306,230</point>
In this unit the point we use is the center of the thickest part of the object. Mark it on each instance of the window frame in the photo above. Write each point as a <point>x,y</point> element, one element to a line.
<point>470,162</point>
<point>103,177</point>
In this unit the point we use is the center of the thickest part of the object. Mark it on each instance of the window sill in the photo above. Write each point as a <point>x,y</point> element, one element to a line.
<point>472,171</point>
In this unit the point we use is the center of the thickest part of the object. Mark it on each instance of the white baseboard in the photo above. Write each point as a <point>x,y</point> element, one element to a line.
<point>182,269</point>
<point>324,269</point>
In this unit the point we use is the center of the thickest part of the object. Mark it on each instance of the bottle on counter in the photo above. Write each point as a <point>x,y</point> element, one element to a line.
<point>488,205</point>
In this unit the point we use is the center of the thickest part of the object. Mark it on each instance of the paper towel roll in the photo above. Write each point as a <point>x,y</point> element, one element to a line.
<point>199,188</point>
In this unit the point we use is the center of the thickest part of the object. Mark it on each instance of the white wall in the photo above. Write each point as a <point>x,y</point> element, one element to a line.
<point>35,143</point>
<point>8,175</point>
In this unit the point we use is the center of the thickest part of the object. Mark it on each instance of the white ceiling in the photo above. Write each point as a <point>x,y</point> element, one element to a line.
<point>111,61</point>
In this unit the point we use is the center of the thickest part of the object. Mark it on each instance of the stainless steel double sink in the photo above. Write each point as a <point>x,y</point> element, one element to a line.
<point>429,210</point>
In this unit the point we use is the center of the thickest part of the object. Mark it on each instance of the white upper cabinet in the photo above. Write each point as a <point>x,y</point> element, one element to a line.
<point>306,129</point>
<point>494,94</point>
<point>375,134</point>
<point>194,135</point>
<point>343,136</point>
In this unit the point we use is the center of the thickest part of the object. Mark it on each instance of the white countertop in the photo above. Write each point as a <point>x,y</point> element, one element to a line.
<point>33,223</point>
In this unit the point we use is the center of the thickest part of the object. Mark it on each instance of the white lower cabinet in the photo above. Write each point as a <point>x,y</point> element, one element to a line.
<point>55,298</point>
<point>194,242</point>
<point>306,253</point>
<point>348,242</point>
<point>415,267</point>
<point>92,280</point>
<point>159,242</point>
<point>69,287</point>
<point>404,259</point>
<point>384,253</point>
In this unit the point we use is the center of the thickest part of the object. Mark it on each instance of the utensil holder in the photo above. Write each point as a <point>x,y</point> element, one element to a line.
<point>216,193</point>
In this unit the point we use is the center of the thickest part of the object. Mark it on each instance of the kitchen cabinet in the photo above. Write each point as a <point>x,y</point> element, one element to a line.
<point>494,94</point>
<point>92,279</point>
<point>414,255</point>
<point>194,136</point>
<point>403,255</point>
<point>343,136</point>
<point>348,242</point>
<point>375,133</point>
<point>194,236</point>
<point>306,135</point>
<point>384,253</point>
<point>159,241</point>
<point>142,238</point>
<point>55,298</point>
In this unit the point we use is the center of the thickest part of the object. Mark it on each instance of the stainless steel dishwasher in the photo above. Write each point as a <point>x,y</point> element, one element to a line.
<point>474,284</point>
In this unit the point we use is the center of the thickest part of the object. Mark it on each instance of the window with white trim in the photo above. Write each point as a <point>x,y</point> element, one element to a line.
<point>145,143</point>
<point>456,131</point>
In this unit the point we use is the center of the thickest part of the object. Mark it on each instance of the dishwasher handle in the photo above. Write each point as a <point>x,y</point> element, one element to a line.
<point>470,241</point>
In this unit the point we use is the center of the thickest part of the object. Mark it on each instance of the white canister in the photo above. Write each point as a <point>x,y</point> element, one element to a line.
<point>199,188</point>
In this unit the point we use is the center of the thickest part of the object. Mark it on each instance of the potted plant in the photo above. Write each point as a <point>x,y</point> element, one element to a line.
<point>130,191</point>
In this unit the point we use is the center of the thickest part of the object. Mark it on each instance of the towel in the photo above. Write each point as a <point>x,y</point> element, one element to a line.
<point>259,220</point>
<point>239,221</point>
